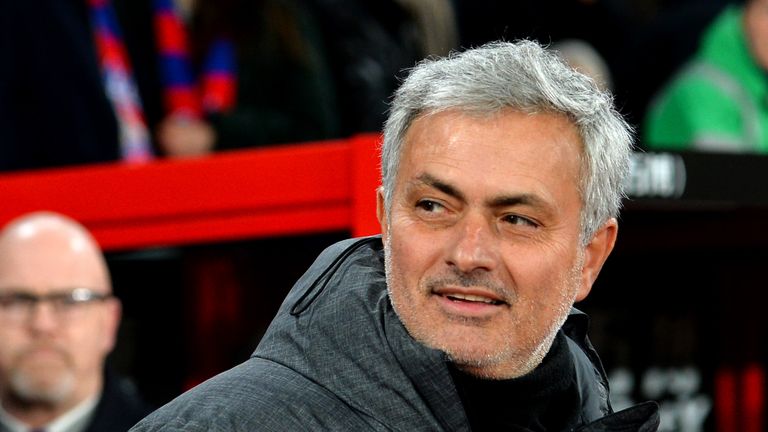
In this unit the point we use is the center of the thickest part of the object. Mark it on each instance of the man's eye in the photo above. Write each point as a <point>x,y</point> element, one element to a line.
<point>64,301</point>
<point>16,301</point>
<point>6,302</point>
<point>23,300</point>
<point>429,206</point>
<point>519,220</point>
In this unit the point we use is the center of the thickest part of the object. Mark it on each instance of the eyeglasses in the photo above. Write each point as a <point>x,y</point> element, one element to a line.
<point>19,306</point>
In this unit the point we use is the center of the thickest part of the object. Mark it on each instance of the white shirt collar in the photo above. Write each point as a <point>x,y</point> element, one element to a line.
<point>9,423</point>
<point>73,420</point>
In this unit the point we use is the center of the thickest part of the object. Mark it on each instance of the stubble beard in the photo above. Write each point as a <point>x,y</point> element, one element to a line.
<point>29,387</point>
<point>522,359</point>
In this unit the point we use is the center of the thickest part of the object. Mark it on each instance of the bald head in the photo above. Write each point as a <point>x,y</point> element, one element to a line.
<point>53,350</point>
<point>52,250</point>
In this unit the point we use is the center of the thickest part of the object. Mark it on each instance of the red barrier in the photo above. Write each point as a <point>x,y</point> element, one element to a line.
<point>740,398</point>
<point>726,408</point>
<point>753,384</point>
<point>282,190</point>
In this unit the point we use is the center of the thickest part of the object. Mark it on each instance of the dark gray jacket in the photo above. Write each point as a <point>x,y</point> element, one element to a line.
<point>337,358</point>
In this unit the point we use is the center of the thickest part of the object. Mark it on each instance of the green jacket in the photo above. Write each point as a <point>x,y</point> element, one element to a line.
<point>718,101</point>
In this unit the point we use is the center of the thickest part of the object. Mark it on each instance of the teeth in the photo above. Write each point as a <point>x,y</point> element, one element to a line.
<point>472,298</point>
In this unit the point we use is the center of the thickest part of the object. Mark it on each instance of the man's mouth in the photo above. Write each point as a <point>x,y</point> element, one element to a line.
<point>471,298</point>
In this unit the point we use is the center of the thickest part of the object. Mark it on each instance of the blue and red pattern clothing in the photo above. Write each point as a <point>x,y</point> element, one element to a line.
<point>119,84</point>
<point>182,94</point>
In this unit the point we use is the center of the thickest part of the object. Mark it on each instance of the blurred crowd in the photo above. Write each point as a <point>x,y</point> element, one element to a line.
<point>104,80</point>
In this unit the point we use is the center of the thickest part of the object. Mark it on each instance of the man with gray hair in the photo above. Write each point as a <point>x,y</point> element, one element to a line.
<point>502,173</point>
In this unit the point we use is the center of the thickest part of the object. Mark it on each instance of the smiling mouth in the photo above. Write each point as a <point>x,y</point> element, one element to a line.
<point>469,298</point>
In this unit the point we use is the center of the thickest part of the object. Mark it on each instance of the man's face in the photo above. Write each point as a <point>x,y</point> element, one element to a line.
<point>48,357</point>
<point>482,238</point>
<point>756,26</point>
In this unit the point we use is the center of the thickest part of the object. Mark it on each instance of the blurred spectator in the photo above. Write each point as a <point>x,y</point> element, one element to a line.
<point>718,101</point>
<point>370,43</point>
<point>88,80</point>
<point>641,41</point>
<point>58,321</point>
<point>585,59</point>
<point>69,92</point>
<point>663,35</point>
<point>608,26</point>
<point>437,26</point>
<point>262,76</point>
<point>601,23</point>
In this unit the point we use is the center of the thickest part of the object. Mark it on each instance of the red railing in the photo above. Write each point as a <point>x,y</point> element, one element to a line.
<point>282,190</point>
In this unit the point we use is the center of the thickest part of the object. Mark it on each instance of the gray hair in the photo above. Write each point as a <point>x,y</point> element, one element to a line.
<point>526,77</point>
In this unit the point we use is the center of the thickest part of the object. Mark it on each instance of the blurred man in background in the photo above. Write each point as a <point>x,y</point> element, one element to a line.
<point>58,322</point>
<point>718,101</point>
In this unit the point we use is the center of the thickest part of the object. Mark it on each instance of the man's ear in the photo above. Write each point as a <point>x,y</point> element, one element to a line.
<point>112,314</point>
<point>381,212</point>
<point>595,254</point>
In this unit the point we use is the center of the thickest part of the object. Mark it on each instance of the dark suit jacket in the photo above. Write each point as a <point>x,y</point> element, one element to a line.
<point>120,406</point>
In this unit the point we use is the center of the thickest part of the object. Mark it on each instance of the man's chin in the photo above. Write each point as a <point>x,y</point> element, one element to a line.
<point>43,382</point>
<point>490,358</point>
<point>471,358</point>
<point>469,350</point>
<point>494,367</point>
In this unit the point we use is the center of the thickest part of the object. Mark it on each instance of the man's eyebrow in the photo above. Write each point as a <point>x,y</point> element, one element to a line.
<point>440,185</point>
<point>521,199</point>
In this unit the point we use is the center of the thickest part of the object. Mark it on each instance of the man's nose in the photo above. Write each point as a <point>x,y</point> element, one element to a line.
<point>474,245</point>
<point>43,317</point>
